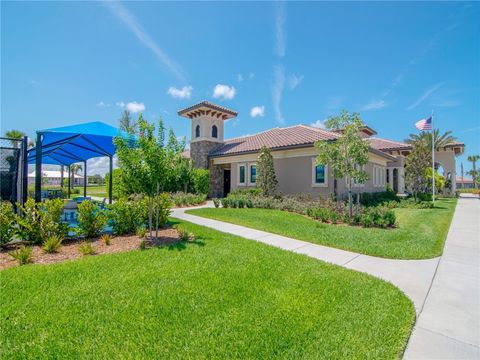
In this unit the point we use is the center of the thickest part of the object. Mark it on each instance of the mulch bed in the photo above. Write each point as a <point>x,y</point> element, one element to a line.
<point>70,248</point>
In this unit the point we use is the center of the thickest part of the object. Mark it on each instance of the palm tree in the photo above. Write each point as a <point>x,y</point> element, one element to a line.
<point>15,134</point>
<point>473,159</point>
<point>440,140</point>
<point>74,169</point>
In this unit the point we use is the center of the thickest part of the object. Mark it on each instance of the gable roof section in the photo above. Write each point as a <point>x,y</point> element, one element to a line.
<point>275,139</point>
<point>386,145</point>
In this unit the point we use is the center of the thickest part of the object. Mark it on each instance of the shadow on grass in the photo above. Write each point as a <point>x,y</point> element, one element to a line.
<point>182,245</point>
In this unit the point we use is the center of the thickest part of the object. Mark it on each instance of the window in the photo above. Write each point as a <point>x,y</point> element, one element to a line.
<point>241,174</point>
<point>378,176</point>
<point>358,168</point>
<point>197,131</point>
<point>319,174</point>
<point>253,174</point>
<point>214,131</point>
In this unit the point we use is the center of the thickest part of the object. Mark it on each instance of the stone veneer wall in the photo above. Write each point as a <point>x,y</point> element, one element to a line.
<point>199,151</point>
<point>216,180</point>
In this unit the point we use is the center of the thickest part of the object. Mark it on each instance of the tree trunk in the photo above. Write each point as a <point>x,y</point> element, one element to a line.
<point>350,205</point>
<point>156,211</point>
<point>150,216</point>
<point>474,174</point>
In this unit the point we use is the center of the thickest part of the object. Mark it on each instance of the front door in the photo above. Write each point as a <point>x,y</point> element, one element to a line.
<point>226,182</point>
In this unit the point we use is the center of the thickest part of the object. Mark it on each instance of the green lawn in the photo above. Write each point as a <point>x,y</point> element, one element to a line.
<point>221,297</point>
<point>420,235</point>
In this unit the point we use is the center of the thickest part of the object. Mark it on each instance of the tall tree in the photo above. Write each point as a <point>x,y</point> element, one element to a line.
<point>441,140</point>
<point>473,173</point>
<point>346,155</point>
<point>144,165</point>
<point>266,178</point>
<point>416,165</point>
<point>74,169</point>
<point>127,123</point>
<point>15,134</point>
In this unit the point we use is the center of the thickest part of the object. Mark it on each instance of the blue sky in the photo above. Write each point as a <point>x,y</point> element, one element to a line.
<point>277,64</point>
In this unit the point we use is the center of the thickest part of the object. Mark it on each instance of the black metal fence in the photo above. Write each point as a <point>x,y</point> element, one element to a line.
<point>13,169</point>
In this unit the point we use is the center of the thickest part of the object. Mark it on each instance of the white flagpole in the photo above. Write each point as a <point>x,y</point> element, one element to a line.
<point>433,162</point>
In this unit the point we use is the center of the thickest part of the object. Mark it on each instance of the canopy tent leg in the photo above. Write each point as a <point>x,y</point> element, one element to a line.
<point>38,169</point>
<point>85,179</point>
<point>69,177</point>
<point>61,177</point>
<point>110,185</point>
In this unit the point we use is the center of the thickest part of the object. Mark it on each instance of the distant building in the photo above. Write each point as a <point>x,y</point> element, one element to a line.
<point>53,177</point>
<point>465,183</point>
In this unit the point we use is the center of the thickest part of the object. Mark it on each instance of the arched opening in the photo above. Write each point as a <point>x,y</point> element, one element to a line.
<point>214,131</point>
<point>197,131</point>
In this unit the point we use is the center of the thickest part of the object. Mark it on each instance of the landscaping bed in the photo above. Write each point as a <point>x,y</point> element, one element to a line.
<point>219,296</point>
<point>420,233</point>
<point>70,248</point>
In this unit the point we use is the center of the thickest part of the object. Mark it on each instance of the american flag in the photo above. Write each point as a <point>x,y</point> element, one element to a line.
<point>424,124</point>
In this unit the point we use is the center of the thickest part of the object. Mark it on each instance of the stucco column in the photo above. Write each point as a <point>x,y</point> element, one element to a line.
<point>401,180</point>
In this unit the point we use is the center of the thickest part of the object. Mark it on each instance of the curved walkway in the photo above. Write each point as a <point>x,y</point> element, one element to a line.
<point>444,291</point>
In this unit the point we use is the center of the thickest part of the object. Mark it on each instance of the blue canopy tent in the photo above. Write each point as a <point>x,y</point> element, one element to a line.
<point>67,145</point>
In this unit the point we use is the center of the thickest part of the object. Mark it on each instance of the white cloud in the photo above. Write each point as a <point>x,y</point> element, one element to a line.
<point>319,124</point>
<point>239,77</point>
<point>33,82</point>
<point>251,75</point>
<point>119,10</point>
<point>183,93</point>
<point>374,105</point>
<point>277,90</point>
<point>99,165</point>
<point>257,111</point>
<point>224,91</point>
<point>425,96</point>
<point>120,104</point>
<point>103,104</point>
<point>447,103</point>
<point>135,107</point>
<point>294,80</point>
<point>280,17</point>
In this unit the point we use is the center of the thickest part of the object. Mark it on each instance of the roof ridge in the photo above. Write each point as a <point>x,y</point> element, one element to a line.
<point>319,129</point>
<point>392,141</point>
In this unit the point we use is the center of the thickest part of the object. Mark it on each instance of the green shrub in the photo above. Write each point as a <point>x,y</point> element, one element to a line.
<point>125,216</point>
<point>142,245</point>
<point>106,239</point>
<point>378,216</point>
<point>23,255</point>
<point>249,203</point>
<point>51,223</point>
<point>225,202</point>
<point>241,203</point>
<point>424,196</point>
<point>7,222</point>
<point>86,248</point>
<point>216,202</point>
<point>91,219</point>
<point>201,181</point>
<point>378,198</point>
<point>38,222</point>
<point>180,199</point>
<point>141,231</point>
<point>29,226</point>
<point>52,244</point>
<point>246,192</point>
<point>162,205</point>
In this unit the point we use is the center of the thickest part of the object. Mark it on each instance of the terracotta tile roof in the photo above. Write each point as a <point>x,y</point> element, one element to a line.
<point>385,145</point>
<point>277,138</point>
<point>209,105</point>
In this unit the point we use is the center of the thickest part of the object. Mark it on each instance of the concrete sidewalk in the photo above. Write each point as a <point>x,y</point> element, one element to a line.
<point>445,291</point>
<point>413,277</point>
<point>448,327</point>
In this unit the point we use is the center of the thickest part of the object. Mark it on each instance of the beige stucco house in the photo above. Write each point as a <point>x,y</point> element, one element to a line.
<point>232,162</point>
